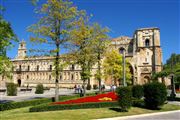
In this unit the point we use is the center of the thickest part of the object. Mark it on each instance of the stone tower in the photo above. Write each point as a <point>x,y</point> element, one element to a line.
<point>147,45</point>
<point>22,50</point>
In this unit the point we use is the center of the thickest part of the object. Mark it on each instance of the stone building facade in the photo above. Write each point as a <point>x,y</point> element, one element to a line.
<point>143,52</point>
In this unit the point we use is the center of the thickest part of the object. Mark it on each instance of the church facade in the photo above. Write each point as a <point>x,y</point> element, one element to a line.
<point>143,52</point>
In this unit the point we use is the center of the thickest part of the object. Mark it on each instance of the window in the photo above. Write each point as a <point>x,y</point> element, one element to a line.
<point>61,77</point>
<point>50,67</point>
<point>27,76</point>
<point>72,67</point>
<point>38,68</point>
<point>49,77</point>
<point>147,42</point>
<point>121,50</point>
<point>28,68</point>
<point>72,77</point>
<point>19,67</point>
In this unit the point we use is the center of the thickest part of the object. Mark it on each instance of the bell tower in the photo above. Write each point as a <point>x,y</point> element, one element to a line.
<point>149,53</point>
<point>22,50</point>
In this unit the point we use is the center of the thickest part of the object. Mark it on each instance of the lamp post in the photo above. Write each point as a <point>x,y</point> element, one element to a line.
<point>173,94</point>
<point>124,69</point>
<point>123,52</point>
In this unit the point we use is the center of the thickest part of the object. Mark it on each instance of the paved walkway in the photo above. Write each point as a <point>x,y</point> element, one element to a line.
<point>170,115</point>
<point>21,96</point>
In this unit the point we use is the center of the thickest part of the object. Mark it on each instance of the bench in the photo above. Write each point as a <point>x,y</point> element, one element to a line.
<point>3,91</point>
<point>24,90</point>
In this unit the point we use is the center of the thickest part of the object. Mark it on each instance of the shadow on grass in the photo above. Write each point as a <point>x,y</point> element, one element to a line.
<point>118,110</point>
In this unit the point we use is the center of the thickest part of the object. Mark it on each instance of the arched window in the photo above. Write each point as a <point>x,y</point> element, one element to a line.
<point>147,42</point>
<point>121,50</point>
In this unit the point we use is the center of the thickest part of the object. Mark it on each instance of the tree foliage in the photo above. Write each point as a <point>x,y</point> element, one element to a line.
<point>101,43</point>
<point>82,50</point>
<point>113,67</point>
<point>7,36</point>
<point>56,20</point>
<point>89,41</point>
<point>172,66</point>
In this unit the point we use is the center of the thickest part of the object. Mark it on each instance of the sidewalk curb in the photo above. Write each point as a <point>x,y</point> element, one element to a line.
<point>139,116</point>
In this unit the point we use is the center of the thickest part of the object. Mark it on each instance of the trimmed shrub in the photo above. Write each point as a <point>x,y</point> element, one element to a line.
<point>125,99</point>
<point>95,87</point>
<point>14,105</point>
<point>138,102</point>
<point>88,87</point>
<point>155,95</point>
<point>11,89</point>
<point>39,89</point>
<point>46,107</point>
<point>137,91</point>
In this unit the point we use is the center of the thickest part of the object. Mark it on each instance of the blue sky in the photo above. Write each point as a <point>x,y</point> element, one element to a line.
<point>123,17</point>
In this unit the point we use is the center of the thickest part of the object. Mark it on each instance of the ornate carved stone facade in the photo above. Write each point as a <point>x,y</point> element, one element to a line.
<point>143,51</point>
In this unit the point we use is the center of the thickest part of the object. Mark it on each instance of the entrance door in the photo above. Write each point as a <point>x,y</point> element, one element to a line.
<point>19,82</point>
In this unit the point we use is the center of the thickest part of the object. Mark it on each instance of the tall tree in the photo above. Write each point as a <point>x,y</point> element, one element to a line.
<point>82,41</point>
<point>100,45</point>
<point>112,67</point>
<point>57,17</point>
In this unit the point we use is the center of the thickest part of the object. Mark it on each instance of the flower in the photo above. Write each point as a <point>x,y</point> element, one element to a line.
<point>111,96</point>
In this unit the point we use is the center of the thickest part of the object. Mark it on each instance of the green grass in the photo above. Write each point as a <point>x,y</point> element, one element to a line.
<point>81,114</point>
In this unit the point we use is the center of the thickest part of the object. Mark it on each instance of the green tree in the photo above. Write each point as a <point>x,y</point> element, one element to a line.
<point>57,17</point>
<point>82,50</point>
<point>112,66</point>
<point>172,65</point>
<point>7,36</point>
<point>100,45</point>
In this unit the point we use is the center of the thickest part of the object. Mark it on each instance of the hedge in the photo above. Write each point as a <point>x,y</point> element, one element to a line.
<point>14,105</point>
<point>45,107</point>
<point>175,99</point>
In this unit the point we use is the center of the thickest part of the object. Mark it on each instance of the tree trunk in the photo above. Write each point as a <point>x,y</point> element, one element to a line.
<point>84,87</point>
<point>57,74</point>
<point>99,70</point>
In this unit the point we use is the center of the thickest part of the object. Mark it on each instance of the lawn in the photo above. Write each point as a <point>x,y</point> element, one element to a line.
<point>81,114</point>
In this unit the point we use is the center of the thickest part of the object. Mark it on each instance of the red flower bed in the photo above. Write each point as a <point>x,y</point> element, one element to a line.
<point>178,90</point>
<point>111,96</point>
